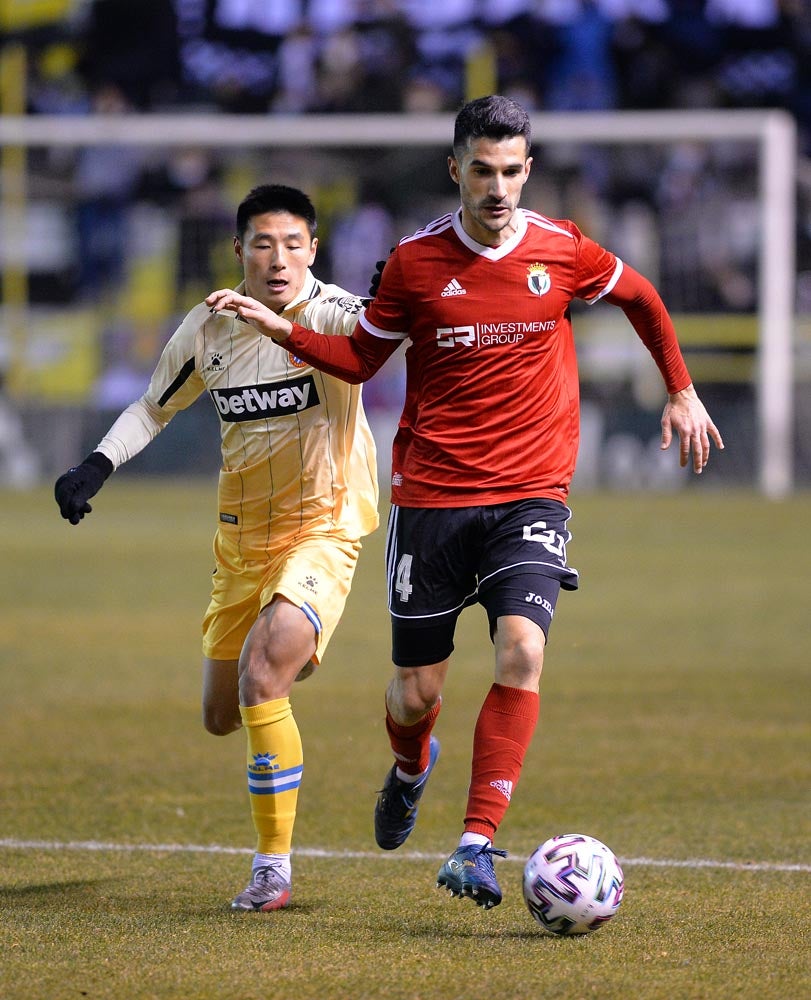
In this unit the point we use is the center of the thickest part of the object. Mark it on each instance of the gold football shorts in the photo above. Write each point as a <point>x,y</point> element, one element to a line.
<point>314,571</point>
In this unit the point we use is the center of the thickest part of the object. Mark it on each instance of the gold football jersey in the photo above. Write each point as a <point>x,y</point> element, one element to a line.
<point>297,451</point>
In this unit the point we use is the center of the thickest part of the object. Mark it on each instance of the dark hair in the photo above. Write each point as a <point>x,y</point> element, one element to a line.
<point>490,117</point>
<point>275,198</point>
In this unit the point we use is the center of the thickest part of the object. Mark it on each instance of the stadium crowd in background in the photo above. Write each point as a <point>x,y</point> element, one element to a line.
<point>300,56</point>
<point>688,213</point>
<point>403,55</point>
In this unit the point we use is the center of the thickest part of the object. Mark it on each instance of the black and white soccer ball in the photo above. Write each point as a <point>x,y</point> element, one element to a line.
<point>573,884</point>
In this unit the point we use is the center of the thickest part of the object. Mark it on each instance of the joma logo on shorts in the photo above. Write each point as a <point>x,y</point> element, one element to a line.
<point>273,399</point>
<point>541,601</point>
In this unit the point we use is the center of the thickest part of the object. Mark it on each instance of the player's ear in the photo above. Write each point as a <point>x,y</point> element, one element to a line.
<point>313,248</point>
<point>453,169</point>
<point>238,249</point>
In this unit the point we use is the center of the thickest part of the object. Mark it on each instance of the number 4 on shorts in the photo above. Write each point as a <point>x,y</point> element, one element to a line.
<point>402,583</point>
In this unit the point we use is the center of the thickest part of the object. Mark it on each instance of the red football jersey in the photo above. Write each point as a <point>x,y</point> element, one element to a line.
<point>492,399</point>
<point>491,412</point>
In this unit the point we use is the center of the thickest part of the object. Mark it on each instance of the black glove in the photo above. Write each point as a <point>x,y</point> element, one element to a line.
<point>73,489</point>
<point>375,281</point>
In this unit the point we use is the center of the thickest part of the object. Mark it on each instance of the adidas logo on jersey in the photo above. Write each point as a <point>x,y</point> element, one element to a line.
<point>453,288</point>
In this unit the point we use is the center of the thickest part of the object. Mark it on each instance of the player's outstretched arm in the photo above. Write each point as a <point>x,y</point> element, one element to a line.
<point>267,322</point>
<point>76,486</point>
<point>686,416</point>
<point>352,359</point>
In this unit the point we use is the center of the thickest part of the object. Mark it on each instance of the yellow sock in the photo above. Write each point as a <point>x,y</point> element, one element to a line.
<point>275,766</point>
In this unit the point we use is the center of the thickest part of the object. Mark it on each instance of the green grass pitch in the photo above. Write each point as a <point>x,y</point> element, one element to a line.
<point>675,726</point>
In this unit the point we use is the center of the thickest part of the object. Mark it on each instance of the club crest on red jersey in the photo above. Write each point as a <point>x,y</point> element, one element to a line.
<point>538,280</point>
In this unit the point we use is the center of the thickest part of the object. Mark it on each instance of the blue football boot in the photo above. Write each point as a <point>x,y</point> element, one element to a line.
<point>469,872</point>
<point>396,808</point>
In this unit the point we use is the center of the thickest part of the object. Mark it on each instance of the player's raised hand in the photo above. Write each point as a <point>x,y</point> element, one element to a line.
<point>76,486</point>
<point>263,319</point>
<point>685,414</point>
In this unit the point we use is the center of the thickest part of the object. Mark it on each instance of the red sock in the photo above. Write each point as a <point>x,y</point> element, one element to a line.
<point>503,733</point>
<point>410,744</point>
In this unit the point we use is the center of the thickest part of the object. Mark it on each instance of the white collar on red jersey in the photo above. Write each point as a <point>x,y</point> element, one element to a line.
<point>492,253</point>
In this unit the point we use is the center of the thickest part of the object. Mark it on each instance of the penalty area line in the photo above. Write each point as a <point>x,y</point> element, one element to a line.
<point>12,844</point>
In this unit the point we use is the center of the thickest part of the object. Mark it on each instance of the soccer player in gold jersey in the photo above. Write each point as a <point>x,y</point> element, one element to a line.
<point>297,491</point>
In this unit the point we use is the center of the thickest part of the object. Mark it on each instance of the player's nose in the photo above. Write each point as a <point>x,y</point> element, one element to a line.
<point>498,187</point>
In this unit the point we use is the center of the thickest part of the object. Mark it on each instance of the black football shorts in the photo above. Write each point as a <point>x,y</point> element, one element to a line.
<point>510,558</point>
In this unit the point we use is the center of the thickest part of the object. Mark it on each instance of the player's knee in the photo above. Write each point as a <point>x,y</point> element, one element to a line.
<point>414,704</point>
<point>219,722</point>
<point>519,657</point>
<point>412,693</point>
<point>306,671</point>
<point>266,680</point>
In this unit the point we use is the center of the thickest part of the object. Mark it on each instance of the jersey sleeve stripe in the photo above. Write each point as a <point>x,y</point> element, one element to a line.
<point>437,226</point>
<point>182,376</point>
<point>543,223</point>
<point>609,287</point>
<point>376,331</point>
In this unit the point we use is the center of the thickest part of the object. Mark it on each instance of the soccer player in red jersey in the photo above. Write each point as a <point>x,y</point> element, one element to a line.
<point>484,455</point>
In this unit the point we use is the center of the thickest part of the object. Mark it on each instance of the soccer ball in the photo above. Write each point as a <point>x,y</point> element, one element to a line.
<point>573,884</point>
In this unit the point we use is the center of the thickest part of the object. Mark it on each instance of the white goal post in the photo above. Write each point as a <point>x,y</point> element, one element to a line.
<point>773,131</point>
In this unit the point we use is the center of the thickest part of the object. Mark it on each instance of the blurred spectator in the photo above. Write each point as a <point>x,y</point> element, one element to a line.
<point>106,179</point>
<point>758,66</point>
<point>342,70</point>
<point>364,66</point>
<point>388,48</point>
<point>122,377</point>
<point>328,16</point>
<point>666,62</point>
<point>54,86</point>
<point>297,88</point>
<point>19,462</point>
<point>498,13</point>
<point>708,231</point>
<point>364,234</point>
<point>229,49</point>
<point>744,13</point>
<point>425,95</point>
<point>189,186</point>
<point>446,34</point>
<point>133,46</point>
<point>581,74</point>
